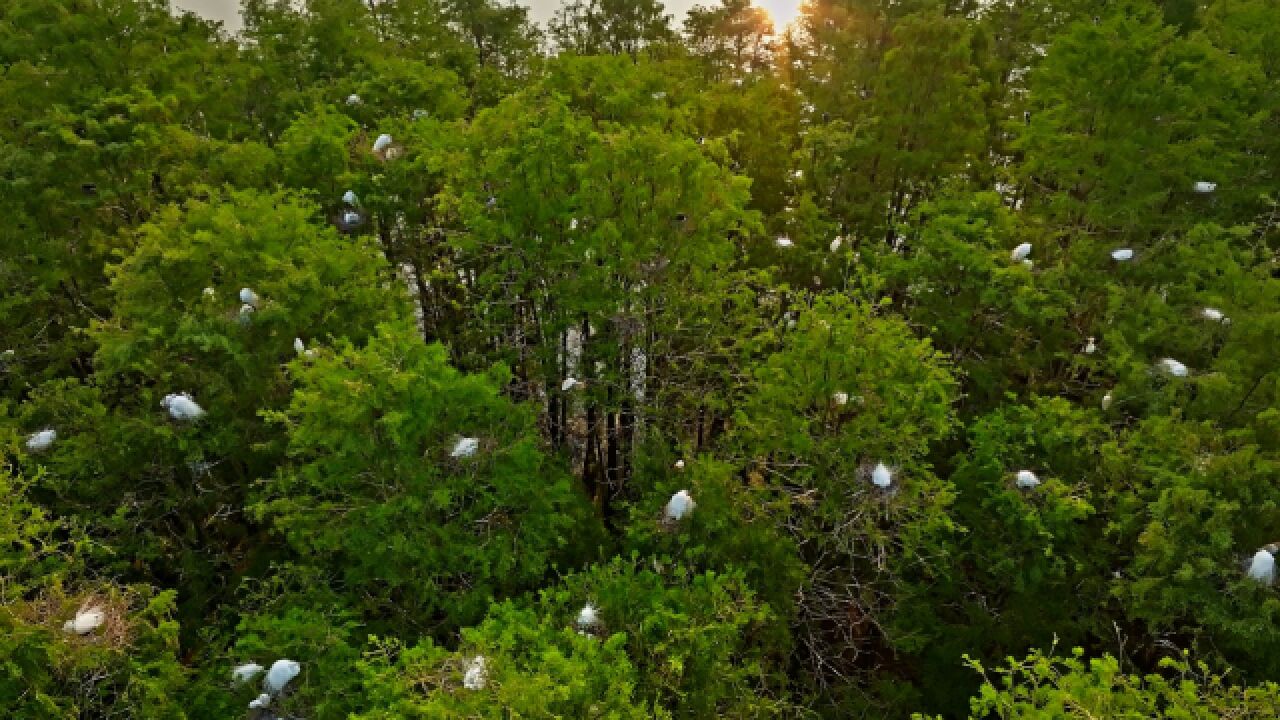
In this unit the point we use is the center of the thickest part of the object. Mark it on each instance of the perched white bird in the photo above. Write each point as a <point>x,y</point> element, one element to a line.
<point>840,398</point>
<point>679,464</point>
<point>249,297</point>
<point>1263,567</point>
<point>241,674</point>
<point>1020,253</point>
<point>1106,401</point>
<point>1203,187</point>
<point>261,702</point>
<point>783,241</point>
<point>351,218</point>
<point>1173,367</point>
<point>299,346</point>
<point>1090,347</point>
<point>349,197</point>
<point>1122,255</point>
<point>465,447</point>
<point>382,143</point>
<point>182,407</point>
<point>882,476</point>
<point>85,621</point>
<point>569,384</point>
<point>587,617</point>
<point>573,223</point>
<point>1027,480</point>
<point>1214,314</point>
<point>477,676</point>
<point>680,505</point>
<point>281,672</point>
<point>41,441</point>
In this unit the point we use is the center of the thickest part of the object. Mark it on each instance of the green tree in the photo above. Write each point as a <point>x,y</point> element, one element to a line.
<point>422,490</point>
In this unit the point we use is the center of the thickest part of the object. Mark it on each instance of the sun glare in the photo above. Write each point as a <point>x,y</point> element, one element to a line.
<point>783,12</point>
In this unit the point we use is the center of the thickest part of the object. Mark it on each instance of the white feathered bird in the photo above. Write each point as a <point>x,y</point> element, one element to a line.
<point>569,384</point>
<point>882,476</point>
<point>1027,480</point>
<point>1122,255</point>
<point>679,506</point>
<point>85,621</point>
<point>1263,567</point>
<point>281,673</point>
<point>1173,367</point>
<point>1214,315</point>
<point>587,617</point>
<point>261,702</point>
<point>465,447</point>
<point>1204,187</point>
<point>783,242</point>
<point>477,675</point>
<point>182,407</point>
<point>382,143</point>
<point>349,197</point>
<point>249,297</point>
<point>241,674</point>
<point>1020,253</point>
<point>41,441</point>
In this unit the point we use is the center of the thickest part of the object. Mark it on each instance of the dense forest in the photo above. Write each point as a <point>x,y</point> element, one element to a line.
<point>407,359</point>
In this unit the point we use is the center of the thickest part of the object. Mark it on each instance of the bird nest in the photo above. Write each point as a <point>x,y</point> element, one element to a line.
<point>53,609</point>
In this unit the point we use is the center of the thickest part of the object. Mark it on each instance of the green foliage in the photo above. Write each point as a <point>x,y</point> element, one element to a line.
<point>748,262</point>
<point>376,491</point>
<point>668,643</point>
<point>1048,687</point>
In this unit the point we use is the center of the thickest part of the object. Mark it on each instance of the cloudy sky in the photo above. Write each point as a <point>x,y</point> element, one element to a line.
<point>228,10</point>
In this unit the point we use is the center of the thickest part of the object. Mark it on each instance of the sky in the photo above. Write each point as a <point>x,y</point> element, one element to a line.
<point>228,11</point>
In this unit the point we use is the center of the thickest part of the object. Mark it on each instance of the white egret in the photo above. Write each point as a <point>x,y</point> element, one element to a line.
<point>1020,253</point>
<point>1173,367</point>
<point>1204,188</point>
<point>182,407</point>
<point>281,672</point>
<point>477,676</point>
<point>1263,567</point>
<point>783,242</point>
<point>1214,315</point>
<point>41,441</point>
<point>569,384</point>
<point>836,243</point>
<point>1122,255</point>
<point>249,297</point>
<point>382,143</point>
<point>241,674</point>
<point>465,447</point>
<point>680,505</point>
<point>587,617</point>
<point>85,621</point>
<point>882,476</point>
<point>1027,480</point>
<point>349,197</point>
